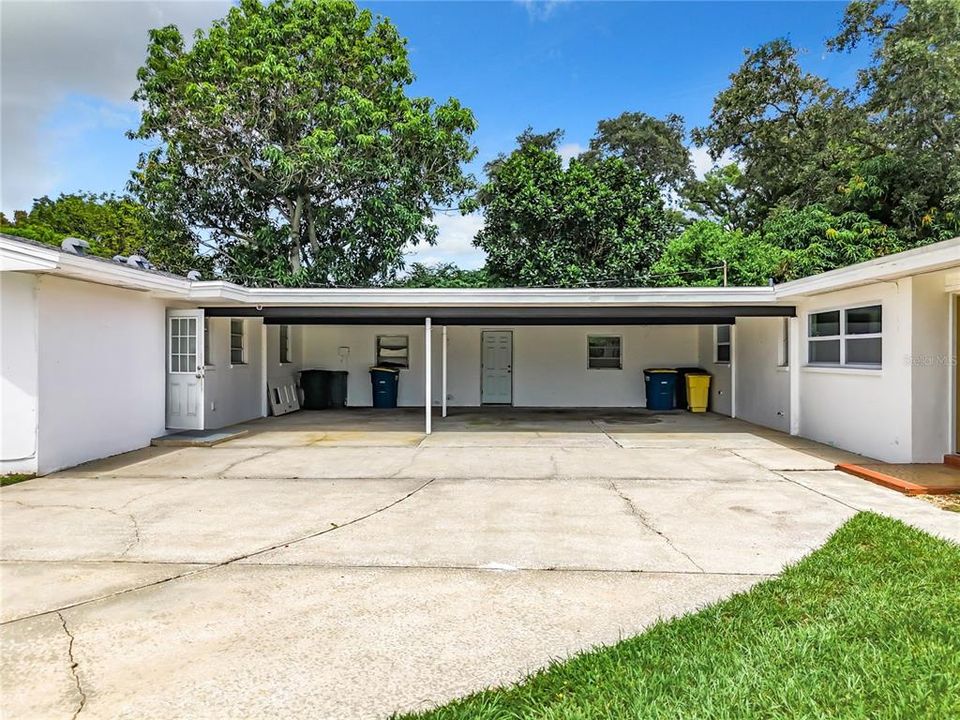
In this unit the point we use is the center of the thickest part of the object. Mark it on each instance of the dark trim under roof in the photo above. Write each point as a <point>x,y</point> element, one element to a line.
<point>446,315</point>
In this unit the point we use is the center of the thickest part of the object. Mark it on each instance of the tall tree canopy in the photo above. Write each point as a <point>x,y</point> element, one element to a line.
<point>601,222</point>
<point>649,144</point>
<point>113,225</point>
<point>786,128</point>
<point>888,148</point>
<point>286,133</point>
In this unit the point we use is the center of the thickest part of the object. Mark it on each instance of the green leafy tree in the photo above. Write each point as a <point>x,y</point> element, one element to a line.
<point>786,129</point>
<point>601,222</point>
<point>719,197</point>
<point>285,131</point>
<point>443,275</point>
<point>697,256</point>
<point>649,144</point>
<point>908,176</point>
<point>113,225</point>
<point>817,240</point>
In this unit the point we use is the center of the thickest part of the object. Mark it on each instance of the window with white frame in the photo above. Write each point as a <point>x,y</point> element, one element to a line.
<point>237,342</point>
<point>604,352</point>
<point>784,357</point>
<point>207,356</point>
<point>846,337</point>
<point>284,344</point>
<point>721,344</point>
<point>393,351</point>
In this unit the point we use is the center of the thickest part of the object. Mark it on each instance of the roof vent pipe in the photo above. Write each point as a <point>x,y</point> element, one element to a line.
<point>74,246</point>
<point>138,261</point>
<point>193,276</point>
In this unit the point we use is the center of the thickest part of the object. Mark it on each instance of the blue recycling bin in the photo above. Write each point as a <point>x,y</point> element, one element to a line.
<point>385,381</point>
<point>661,386</point>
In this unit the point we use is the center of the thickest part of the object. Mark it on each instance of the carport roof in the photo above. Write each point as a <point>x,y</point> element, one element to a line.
<point>486,314</point>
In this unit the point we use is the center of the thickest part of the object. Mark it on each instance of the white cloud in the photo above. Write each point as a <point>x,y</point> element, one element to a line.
<point>541,9</point>
<point>50,50</point>
<point>454,242</point>
<point>568,151</point>
<point>703,163</point>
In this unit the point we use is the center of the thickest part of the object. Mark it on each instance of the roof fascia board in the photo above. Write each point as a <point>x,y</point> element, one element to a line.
<point>35,258</point>
<point>221,292</point>
<point>20,257</point>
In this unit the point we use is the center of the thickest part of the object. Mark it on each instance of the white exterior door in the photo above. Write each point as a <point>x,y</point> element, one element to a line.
<point>496,366</point>
<point>185,363</point>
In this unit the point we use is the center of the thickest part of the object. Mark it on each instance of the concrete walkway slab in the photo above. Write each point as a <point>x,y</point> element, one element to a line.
<point>497,523</point>
<point>862,495</point>
<point>202,521</point>
<point>286,642</point>
<point>737,526</point>
<point>30,588</point>
<point>339,564</point>
<point>656,463</point>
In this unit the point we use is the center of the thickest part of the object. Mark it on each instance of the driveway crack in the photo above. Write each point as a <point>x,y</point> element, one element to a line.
<point>126,516</point>
<point>82,696</point>
<point>214,566</point>
<point>643,520</point>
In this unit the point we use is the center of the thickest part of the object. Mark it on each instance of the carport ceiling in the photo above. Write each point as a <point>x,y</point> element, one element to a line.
<point>540,315</point>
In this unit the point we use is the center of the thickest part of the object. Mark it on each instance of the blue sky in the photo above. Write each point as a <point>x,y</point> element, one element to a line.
<point>68,71</point>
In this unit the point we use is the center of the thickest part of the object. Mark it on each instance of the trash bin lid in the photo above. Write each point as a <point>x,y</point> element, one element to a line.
<point>660,370</point>
<point>385,369</point>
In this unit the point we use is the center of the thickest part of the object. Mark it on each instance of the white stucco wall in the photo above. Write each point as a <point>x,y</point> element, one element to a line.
<point>763,387</point>
<point>931,363</point>
<point>101,372</point>
<point>549,368</point>
<point>721,386</point>
<point>18,373</point>
<point>233,393</point>
<point>864,410</point>
<point>282,373</point>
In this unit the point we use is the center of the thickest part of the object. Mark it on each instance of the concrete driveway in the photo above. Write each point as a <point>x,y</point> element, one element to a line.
<point>343,565</point>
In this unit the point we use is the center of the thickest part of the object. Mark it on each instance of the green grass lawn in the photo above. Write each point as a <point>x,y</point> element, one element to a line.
<point>866,627</point>
<point>14,478</point>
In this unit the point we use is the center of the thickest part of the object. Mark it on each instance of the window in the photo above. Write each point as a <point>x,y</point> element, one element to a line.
<point>604,352</point>
<point>237,340</point>
<point>393,351</point>
<point>284,344</point>
<point>784,359</point>
<point>852,336</point>
<point>721,336</point>
<point>207,356</point>
<point>183,345</point>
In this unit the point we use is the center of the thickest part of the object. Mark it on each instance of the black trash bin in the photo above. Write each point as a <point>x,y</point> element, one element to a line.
<point>682,384</point>
<point>385,381</point>
<point>324,389</point>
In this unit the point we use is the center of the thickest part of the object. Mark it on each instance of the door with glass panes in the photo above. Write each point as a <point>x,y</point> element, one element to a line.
<point>185,369</point>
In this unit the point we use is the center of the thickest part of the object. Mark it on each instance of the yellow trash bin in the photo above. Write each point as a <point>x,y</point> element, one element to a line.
<point>698,391</point>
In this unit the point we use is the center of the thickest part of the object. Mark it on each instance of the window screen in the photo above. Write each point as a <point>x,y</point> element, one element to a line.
<point>284,344</point>
<point>722,345</point>
<point>237,340</point>
<point>604,352</point>
<point>852,336</point>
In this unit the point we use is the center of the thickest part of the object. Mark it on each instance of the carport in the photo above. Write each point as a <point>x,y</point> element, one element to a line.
<point>547,312</point>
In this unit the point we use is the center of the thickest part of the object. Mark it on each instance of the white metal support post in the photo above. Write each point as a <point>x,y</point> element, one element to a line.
<point>428,375</point>
<point>443,374</point>
<point>733,370</point>
<point>793,353</point>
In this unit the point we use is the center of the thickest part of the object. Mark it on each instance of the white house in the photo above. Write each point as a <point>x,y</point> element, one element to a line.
<point>99,357</point>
